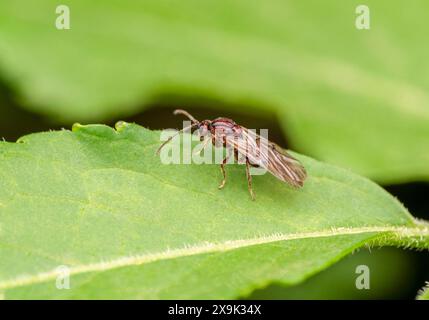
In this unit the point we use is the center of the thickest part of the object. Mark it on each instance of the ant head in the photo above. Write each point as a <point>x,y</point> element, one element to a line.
<point>204,128</point>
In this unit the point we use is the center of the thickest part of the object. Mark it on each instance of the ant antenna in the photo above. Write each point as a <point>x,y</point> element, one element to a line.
<point>186,114</point>
<point>178,132</point>
<point>194,121</point>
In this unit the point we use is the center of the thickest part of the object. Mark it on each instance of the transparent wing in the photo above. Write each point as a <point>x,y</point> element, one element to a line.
<point>266,154</point>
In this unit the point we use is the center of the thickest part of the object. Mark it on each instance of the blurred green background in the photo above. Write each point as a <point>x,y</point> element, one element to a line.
<point>355,98</point>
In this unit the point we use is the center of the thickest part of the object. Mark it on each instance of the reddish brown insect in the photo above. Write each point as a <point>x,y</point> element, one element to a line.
<point>247,145</point>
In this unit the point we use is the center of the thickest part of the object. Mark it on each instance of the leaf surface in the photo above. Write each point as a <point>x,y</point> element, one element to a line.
<point>99,201</point>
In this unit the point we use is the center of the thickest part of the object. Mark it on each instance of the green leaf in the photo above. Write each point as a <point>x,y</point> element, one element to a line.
<point>99,201</point>
<point>356,98</point>
<point>424,293</point>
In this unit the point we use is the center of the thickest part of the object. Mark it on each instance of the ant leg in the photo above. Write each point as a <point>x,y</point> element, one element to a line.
<point>222,169</point>
<point>249,180</point>
<point>204,145</point>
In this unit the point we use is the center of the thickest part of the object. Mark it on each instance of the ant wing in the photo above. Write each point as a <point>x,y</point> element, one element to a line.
<point>285,167</point>
<point>266,154</point>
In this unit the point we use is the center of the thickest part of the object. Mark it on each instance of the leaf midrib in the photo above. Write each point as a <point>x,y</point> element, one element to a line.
<point>209,247</point>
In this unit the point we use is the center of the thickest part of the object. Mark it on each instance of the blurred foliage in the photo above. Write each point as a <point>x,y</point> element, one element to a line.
<point>350,97</point>
<point>394,274</point>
